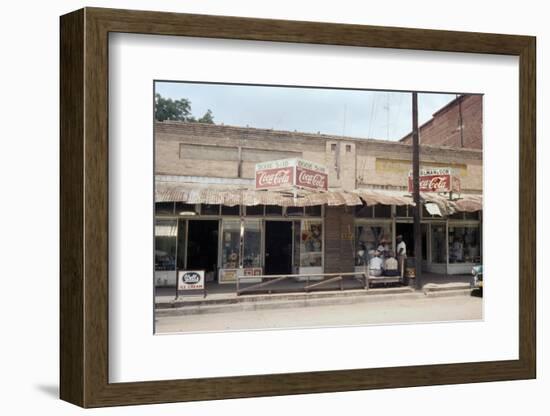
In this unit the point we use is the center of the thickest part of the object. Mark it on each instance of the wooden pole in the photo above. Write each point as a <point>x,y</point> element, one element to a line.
<point>416,194</point>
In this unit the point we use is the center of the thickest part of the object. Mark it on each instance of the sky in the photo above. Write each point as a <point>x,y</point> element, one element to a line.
<point>355,113</point>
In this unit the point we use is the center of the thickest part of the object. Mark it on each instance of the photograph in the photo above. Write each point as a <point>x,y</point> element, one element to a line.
<point>285,206</point>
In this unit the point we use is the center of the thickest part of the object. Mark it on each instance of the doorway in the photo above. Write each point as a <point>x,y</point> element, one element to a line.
<point>278,247</point>
<point>407,231</point>
<point>202,246</point>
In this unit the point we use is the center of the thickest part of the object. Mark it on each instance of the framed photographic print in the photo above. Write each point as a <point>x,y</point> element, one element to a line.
<point>255,207</point>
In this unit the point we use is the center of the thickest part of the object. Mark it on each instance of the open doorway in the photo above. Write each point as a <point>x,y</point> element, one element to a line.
<point>202,247</point>
<point>278,247</point>
<point>407,231</point>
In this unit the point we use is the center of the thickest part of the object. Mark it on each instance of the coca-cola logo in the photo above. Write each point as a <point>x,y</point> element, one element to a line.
<point>436,183</point>
<point>315,180</point>
<point>273,178</point>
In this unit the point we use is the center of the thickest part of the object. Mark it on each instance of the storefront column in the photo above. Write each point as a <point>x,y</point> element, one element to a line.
<point>339,249</point>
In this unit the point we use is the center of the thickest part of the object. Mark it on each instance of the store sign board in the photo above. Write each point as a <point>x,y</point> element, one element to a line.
<point>191,279</point>
<point>436,180</point>
<point>291,173</point>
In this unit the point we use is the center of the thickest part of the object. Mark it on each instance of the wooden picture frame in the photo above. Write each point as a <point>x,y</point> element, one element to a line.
<point>84,207</point>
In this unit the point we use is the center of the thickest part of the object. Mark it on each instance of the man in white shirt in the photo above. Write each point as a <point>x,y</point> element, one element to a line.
<point>375,264</point>
<point>401,251</point>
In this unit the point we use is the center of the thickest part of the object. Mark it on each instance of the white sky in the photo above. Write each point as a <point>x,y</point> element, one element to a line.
<point>355,113</point>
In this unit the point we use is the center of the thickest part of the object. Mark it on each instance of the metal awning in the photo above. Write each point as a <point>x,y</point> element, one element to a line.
<point>232,195</point>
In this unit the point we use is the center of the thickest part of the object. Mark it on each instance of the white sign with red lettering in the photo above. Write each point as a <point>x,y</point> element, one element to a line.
<point>291,173</point>
<point>436,180</point>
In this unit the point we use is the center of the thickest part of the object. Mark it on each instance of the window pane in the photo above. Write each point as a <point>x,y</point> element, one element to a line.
<point>313,211</point>
<point>180,260</point>
<point>472,215</point>
<point>382,211</point>
<point>370,237</point>
<point>401,211</point>
<point>208,209</point>
<point>255,210</point>
<point>165,244</point>
<point>464,244</point>
<point>231,233</point>
<point>164,208</point>
<point>363,211</point>
<point>311,244</point>
<point>294,211</point>
<point>252,243</point>
<point>230,210</point>
<point>438,244</point>
<point>273,210</point>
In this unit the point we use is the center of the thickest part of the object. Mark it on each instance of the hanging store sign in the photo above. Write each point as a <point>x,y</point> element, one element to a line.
<point>191,280</point>
<point>441,180</point>
<point>291,173</point>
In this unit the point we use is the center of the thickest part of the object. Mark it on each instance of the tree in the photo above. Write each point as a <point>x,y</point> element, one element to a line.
<point>168,109</point>
<point>179,110</point>
<point>207,118</point>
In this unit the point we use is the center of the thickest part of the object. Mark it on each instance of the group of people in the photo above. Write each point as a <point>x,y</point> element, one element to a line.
<point>384,262</point>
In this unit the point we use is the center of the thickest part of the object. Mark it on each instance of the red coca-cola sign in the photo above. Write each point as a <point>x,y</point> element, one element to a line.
<point>275,178</point>
<point>436,183</point>
<point>311,179</point>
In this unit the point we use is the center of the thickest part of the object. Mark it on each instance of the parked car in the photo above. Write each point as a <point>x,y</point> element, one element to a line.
<point>477,277</point>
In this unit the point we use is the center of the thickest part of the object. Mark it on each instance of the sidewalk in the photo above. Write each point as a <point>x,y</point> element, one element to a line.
<point>288,294</point>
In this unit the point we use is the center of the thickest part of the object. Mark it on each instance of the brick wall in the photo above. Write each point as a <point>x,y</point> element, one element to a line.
<point>444,127</point>
<point>195,149</point>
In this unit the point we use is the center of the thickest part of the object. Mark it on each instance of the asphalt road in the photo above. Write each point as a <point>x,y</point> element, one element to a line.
<point>428,309</point>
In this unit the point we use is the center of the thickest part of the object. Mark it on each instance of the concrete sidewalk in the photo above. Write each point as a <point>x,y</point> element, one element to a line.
<point>223,298</point>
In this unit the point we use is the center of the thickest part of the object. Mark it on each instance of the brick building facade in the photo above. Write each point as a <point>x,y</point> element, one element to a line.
<point>209,216</point>
<point>459,125</point>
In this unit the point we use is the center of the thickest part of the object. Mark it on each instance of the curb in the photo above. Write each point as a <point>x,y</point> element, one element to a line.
<point>300,301</point>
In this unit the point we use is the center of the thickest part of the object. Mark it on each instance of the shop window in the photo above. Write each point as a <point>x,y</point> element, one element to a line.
<point>457,216</point>
<point>471,215</point>
<point>439,252</point>
<point>311,244</point>
<point>255,210</point>
<point>382,211</point>
<point>364,211</point>
<point>164,208</point>
<point>464,244</point>
<point>371,237</point>
<point>294,211</point>
<point>186,209</point>
<point>210,209</point>
<point>403,211</point>
<point>231,243</point>
<point>235,210</point>
<point>165,245</point>
<point>181,246</point>
<point>252,241</point>
<point>273,210</point>
<point>313,211</point>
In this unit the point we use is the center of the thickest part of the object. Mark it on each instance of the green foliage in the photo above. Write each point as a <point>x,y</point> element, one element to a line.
<point>207,118</point>
<point>178,110</point>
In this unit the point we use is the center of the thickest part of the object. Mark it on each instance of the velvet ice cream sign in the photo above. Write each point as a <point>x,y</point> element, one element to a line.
<point>291,173</point>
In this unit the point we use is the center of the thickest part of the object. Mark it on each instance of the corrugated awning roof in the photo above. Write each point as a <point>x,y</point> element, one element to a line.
<point>231,195</point>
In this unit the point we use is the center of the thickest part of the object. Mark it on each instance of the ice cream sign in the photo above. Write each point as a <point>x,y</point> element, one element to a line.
<point>291,173</point>
<point>436,180</point>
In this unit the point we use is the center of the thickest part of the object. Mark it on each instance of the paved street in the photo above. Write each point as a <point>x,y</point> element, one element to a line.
<point>422,309</point>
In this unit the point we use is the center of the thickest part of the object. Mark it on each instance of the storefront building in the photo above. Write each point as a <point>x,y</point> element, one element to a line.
<point>212,213</point>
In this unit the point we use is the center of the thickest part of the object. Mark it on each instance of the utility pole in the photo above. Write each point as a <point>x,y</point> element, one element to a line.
<point>416,194</point>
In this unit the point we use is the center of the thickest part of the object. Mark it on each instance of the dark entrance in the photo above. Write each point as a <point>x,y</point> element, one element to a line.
<point>278,247</point>
<point>202,245</point>
<point>407,231</point>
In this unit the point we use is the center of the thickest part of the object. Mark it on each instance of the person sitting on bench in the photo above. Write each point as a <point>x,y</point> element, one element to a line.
<point>391,267</point>
<point>376,264</point>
